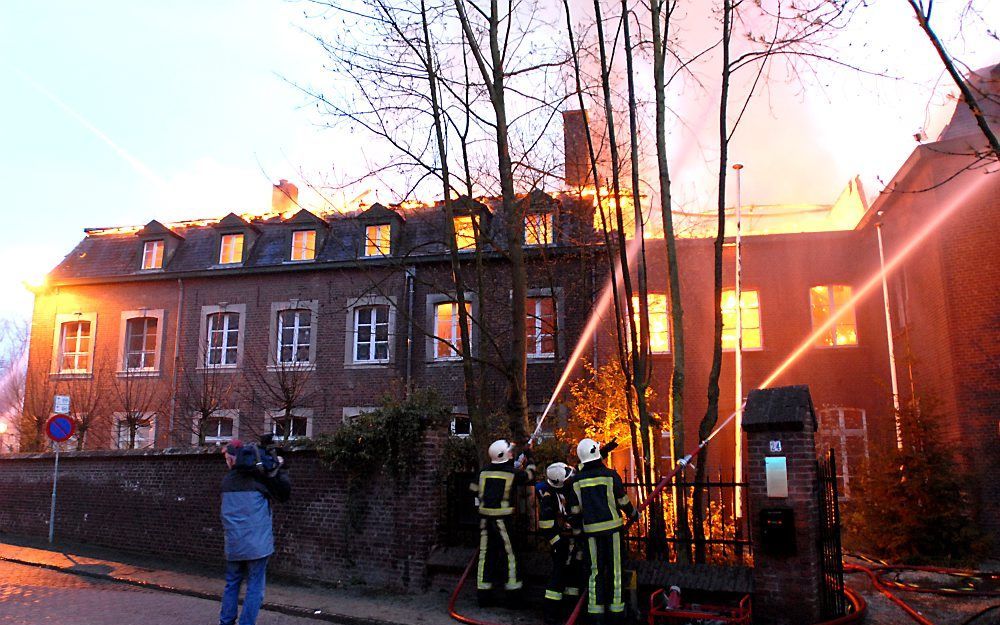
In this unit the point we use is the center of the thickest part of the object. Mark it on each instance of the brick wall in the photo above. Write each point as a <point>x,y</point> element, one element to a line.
<point>166,503</point>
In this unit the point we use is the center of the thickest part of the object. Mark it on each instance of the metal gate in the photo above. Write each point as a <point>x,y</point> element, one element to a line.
<point>832,601</point>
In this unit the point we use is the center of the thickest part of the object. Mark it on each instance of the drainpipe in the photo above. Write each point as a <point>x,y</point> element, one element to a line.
<point>177,351</point>
<point>888,338</point>
<point>411,275</point>
<point>738,428</point>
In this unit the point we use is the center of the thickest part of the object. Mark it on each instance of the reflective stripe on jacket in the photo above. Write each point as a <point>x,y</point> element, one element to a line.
<point>494,487</point>
<point>596,496</point>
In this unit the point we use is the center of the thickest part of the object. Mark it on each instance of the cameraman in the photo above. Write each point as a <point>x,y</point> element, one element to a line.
<point>246,518</point>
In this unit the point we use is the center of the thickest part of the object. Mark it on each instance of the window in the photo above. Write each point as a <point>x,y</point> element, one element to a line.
<point>541,326</point>
<point>371,334</point>
<point>303,245</point>
<point>377,240</point>
<point>294,336</point>
<point>750,311</point>
<point>231,251</point>
<point>825,302</point>
<point>218,429</point>
<point>75,347</point>
<point>144,431</point>
<point>465,232</point>
<point>288,427</point>
<point>140,344</point>
<point>152,255</point>
<point>223,339</point>
<point>659,322</point>
<point>446,330</point>
<point>845,430</point>
<point>538,229</point>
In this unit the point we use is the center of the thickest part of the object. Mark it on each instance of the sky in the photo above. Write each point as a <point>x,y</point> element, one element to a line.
<point>118,112</point>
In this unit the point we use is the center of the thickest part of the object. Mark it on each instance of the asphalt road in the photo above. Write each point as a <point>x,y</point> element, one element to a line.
<point>32,596</point>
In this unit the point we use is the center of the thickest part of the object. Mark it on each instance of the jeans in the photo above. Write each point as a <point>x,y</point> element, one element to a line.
<point>236,571</point>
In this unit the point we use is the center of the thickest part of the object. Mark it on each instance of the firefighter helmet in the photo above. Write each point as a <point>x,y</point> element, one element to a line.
<point>557,474</point>
<point>588,450</point>
<point>501,451</point>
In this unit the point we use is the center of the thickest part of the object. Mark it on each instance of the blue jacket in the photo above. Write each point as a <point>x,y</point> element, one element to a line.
<point>246,513</point>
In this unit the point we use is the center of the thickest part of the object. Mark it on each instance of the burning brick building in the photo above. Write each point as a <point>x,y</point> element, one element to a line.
<point>292,322</point>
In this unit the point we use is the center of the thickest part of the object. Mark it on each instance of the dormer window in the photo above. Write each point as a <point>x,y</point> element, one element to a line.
<point>538,229</point>
<point>231,250</point>
<point>377,240</point>
<point>304,245</point>
<point>152,254</point>
<point>465,232</point>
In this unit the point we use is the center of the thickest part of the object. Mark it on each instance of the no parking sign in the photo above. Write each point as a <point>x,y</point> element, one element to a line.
<point>60,427</point>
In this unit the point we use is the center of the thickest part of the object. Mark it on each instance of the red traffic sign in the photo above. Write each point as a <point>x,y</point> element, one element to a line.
<point>60,427</point>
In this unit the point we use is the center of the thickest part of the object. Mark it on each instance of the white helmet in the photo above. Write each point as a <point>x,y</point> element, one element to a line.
<point>588,450</point>
<point>557,474</point>
<point>501,451</point>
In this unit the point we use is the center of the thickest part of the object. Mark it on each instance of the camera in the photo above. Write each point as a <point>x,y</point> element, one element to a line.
<point>262,460</point>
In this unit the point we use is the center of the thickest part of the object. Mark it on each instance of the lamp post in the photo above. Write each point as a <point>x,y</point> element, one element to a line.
<point>738,354</point>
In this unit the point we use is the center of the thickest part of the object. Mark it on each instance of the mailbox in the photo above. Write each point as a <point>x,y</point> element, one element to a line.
<point>777,531</point>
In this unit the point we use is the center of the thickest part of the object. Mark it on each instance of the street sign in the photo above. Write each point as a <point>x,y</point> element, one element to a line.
<point>61,404</point>
<point>60,427</point>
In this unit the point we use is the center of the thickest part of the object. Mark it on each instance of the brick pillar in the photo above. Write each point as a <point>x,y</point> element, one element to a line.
<point>781,424</point>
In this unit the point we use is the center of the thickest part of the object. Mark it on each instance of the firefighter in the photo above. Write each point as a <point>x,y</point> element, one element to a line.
<point>553,522</point>
<point>497,562</point>
<point>598,497</point>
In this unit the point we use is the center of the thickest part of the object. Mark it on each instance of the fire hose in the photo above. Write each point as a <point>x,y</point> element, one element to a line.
<point>858,604</point>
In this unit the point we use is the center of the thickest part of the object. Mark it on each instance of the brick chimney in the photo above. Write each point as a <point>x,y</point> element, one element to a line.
<point>284,197</point>
<point>575,149</point>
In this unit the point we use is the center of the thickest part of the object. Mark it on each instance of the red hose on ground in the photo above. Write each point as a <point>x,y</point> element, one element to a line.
<point>857,568</point>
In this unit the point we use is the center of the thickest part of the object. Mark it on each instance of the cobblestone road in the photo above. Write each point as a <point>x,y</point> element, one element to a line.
<point>34,596</point>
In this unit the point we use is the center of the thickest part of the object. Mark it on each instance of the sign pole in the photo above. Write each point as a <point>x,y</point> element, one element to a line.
<point>59,427</point>
<point>55,480</point>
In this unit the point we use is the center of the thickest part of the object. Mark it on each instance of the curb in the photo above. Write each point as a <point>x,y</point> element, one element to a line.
<point>290,610</point>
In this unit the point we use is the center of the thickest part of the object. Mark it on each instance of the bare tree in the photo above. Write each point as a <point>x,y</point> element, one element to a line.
<point>282,387</point>
<point>140,399</point>
<point>89,402</point>
<point>922,10</point>
<point>204,392</point>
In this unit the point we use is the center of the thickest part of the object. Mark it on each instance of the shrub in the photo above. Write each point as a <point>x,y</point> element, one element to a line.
<point>912,505</point>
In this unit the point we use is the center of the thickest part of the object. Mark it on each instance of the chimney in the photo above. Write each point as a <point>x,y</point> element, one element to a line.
<point>575,149</point>
<point>284,197</point>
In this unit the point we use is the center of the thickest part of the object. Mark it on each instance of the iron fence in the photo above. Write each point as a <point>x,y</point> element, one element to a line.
<point>723,538</point>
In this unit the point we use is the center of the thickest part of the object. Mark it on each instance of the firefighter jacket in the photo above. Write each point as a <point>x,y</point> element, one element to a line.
<point>596,495</point>
<point>552,511</point>
<point>494,486</point>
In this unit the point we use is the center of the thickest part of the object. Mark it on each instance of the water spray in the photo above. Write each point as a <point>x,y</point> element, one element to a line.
<point>603,302</point>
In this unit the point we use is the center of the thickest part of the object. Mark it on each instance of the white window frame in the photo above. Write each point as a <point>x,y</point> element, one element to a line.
<point>301,322</point>
<point>833,311</point>
<point>58,344</point>
<point>120,427</point>
<point>274,362</point>
<point>350,413</point>
<point>455,338</point>
<point>232,236</point>
<point>841,431</point>
<point>128,315</point>
<point>378,240</point>
<point>534,319</point>
<point>532,230</point>
<point>231,414</point>
<point>154,250</point>
<point>351,342</point>
<point>205,340</point>
<point>273,416</point>
<point>303,251</point>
